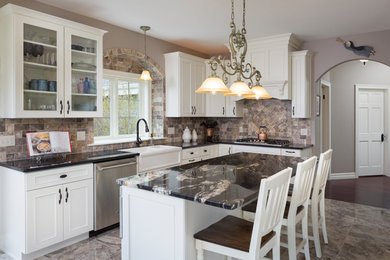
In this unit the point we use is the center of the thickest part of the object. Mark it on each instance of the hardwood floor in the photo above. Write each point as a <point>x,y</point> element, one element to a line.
<point>373,191</point>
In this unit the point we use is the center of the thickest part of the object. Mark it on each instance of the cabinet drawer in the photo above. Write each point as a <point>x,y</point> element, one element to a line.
<point>256,149</point>
<point>291,152</point>
<point>58,176</point>
<point>191,153</point>
<point>187,161</point>
<point>204,151</point>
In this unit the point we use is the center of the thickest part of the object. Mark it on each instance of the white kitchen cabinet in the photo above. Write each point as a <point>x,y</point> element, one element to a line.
<point>44,218</point>
<point>78,208</point>
<point>36,56</point>
<point>225,149</point>
<point>196,154</point>
<point>219,105</point>
<point>301,78</point>
<point>256,149</point>
<point>270,55</point>
<point>305,153</point>
<point>184,74</point>
<point>54,209</point>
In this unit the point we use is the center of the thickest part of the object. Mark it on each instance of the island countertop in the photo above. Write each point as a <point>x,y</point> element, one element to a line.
<point>227,182</point>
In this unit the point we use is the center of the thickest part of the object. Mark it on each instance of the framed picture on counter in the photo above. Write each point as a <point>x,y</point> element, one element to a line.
<point>40,143</point>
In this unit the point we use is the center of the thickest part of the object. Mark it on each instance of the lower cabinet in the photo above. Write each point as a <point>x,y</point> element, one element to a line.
<point>53,206</point>
<point>197,154</point>
<point>58,213</point>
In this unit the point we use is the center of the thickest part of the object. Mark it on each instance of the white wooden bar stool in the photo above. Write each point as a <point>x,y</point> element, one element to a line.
<point>296,209</point>
<point>317,200</point>
<point>238,238</point>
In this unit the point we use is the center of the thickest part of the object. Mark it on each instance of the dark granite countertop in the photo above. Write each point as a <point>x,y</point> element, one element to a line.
<point>200,144</point>
<point>227,182</point>
<point>45,162</point>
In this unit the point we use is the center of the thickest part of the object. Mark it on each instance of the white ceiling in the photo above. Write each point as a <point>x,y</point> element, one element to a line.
<point>203,25</point>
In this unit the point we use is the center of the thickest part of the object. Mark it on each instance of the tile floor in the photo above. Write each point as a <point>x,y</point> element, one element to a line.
<point>355,231</point>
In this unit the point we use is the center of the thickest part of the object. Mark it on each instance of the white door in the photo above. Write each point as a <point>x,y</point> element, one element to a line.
<point>78,208</point>
<point>44,217</point>
<point>369,128</point>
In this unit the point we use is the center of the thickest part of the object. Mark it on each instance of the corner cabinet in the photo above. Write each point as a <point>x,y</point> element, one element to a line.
<point>184,74</point>
<point>43,60</point>
<point>301,81</point>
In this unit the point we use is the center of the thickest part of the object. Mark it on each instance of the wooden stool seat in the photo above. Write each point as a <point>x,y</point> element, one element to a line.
<point>231,232</point>
<point>251,207</point>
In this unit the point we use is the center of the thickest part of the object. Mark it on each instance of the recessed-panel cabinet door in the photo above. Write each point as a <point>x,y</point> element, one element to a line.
<point>198,76</point>
<point>187,106</point>
<point>44,217</point>
<point>78,208</point>
<point>39,68</point>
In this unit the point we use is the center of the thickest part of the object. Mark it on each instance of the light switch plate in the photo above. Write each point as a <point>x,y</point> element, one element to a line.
<point>304,131</point>
<point>80,135</point>
<point>7,140</point>
<point>171,130</point>
<point>241,129</point>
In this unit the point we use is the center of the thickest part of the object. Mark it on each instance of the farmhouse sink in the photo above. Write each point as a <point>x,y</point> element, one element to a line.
<point>156,157</point>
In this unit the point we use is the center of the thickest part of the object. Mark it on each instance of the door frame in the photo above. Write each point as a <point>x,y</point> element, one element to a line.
<point>329,85</point>
<point>386,123</point>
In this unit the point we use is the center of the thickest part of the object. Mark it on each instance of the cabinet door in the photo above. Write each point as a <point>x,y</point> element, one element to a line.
<point>83,74</point>
<point>301,84</point>
<point>215,105</point>
<point>44,217</point>
<point>78,207</point>
<point>187,92</point>
<point>198,75</point>
<point>39,66</point>
<point>231,106</point>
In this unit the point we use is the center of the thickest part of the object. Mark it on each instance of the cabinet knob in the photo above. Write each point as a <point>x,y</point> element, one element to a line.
<point>63,176</point>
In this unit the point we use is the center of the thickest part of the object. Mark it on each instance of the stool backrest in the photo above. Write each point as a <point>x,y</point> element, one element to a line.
<point>303,184</point>
<point>322,173</point>
<point>270,208</point>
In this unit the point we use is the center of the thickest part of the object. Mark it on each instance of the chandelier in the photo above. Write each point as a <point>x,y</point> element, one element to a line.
<point>235,66</point>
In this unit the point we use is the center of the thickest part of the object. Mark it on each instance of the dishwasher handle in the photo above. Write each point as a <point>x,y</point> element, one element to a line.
<point>115,166</point>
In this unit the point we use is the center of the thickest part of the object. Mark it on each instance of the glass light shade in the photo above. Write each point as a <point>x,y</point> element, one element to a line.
<point>259,93</point>
<point>239,88</point>
<point>213,85</point>
<point>145,75</point>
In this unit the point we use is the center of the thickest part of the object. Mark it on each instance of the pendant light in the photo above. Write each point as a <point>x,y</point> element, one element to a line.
<point>235,66</point>
<point>145,73</point>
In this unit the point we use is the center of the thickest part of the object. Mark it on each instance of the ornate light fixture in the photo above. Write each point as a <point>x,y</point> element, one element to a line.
<point>145,73</point>
<point>235,66</point>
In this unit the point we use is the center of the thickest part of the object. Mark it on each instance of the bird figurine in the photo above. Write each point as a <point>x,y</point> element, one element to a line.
<point>365,51</point>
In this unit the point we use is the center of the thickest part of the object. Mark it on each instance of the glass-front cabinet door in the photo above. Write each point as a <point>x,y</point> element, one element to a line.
<point>83,74</point>
<point>39,50</point>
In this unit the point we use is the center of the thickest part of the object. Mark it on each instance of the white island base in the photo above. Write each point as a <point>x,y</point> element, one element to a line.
<point>159,227</point>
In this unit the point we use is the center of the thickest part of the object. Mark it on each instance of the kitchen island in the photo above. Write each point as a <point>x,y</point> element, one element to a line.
<point>162,210</point>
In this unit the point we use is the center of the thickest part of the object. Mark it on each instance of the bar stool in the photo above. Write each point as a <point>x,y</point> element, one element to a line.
<point>317,200</point>
<point>236,237</point>
<point>296,209</point>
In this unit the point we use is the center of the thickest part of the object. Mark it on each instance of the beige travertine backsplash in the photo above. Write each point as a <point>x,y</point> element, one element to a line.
<point>274,114</point>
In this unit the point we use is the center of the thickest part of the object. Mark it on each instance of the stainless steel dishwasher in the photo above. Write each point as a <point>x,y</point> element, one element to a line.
<point>106,190</point>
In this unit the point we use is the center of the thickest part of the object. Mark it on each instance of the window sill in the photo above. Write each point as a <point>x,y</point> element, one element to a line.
<point>122,140</point>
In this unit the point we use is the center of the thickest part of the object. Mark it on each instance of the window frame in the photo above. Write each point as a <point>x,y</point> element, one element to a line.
<point>145,109</point>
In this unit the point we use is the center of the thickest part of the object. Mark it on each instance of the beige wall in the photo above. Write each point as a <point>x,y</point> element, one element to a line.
<point>343,78</point>
<point>116,37</point>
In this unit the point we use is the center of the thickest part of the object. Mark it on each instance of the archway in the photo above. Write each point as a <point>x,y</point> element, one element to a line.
<point>342,79</point>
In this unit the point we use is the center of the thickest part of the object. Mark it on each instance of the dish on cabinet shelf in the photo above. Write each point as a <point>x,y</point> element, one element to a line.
<point>83,66</point>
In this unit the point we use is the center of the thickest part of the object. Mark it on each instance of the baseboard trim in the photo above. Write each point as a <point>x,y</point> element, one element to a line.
<point>342,176</point>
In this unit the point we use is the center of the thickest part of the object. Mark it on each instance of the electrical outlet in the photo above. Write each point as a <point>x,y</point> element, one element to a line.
<point>241,129</point>
<point>304,131</point>
<point>80,135</point>
<point>171,130</point>
<point>7,141</point>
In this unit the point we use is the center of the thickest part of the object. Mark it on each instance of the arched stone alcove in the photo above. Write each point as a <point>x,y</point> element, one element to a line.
<point>129,60</point>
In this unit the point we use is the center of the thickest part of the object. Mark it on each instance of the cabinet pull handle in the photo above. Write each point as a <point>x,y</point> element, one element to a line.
<point>67,195</point>
<point>67,102</point>
<point>63,176</point>
<point>205,151</point>
<point>195,110</point>
<point>192,160</point>
<point>192,107</point>
<point>62,107</point>
<point>290,152</point>
<point>223,110</point>
<point>293,110</point>
<point>234,110</point>
<point>59,202</point>
<point>191,152</point>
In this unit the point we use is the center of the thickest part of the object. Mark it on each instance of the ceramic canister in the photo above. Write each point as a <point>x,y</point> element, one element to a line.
<point>186,135</point>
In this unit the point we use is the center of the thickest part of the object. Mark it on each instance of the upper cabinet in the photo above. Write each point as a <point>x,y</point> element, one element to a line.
<point>301,80</point>
<point>184,74</point>
<point>270,55</point>
<point>49,67</point>
<point>219,105</point>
